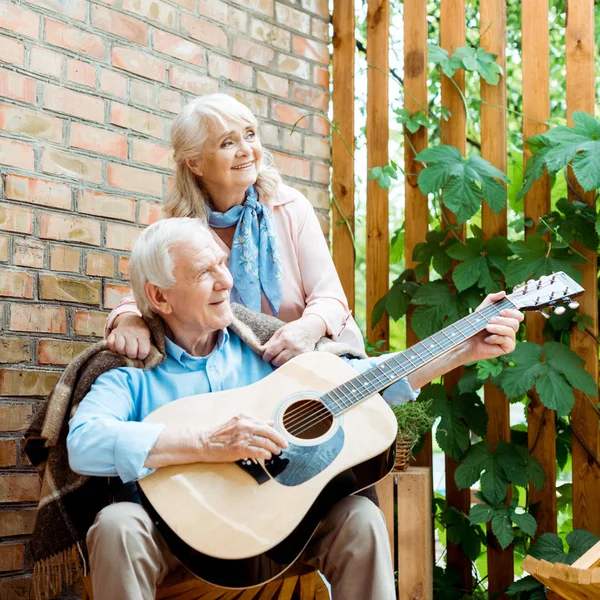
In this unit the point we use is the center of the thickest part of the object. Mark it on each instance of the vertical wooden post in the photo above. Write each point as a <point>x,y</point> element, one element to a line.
<point>342,185</point>
<point>378,25</point>
<point>581,96</point>
<point>536,111</point>
<point>492,24</point>
<point>452,36</point>
<point>415,99</point>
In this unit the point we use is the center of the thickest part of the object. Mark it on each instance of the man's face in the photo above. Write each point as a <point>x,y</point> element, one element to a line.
<point>199,300</point>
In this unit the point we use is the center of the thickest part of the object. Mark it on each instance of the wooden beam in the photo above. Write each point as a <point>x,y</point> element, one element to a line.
<point>378,26</point>
<point>342,185</point>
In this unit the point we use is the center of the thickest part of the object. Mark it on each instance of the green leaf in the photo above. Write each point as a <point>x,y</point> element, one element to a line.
<point>536,473</point>
<point>477,458</point>
<point>548,547</point>
<point>440,57</point>
<point>565,361</point>
<point>574,223</point>
<point>524,521</point>
<point>502,528</point>
<point>515,381</point>
<point>482,62</point>
<point>397,300</point>
<point>461,531</point>
<point>470,381</point>
<point>527,584</point>
<point>437,307</point>
<point>580,541</point>
<point>511,463</point>
<point>452,434</point>
<point>481,513</point>
<point>473,411</point>
<point>555,392</point>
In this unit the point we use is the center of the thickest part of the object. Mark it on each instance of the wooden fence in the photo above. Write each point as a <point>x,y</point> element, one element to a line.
<point>579,49</point>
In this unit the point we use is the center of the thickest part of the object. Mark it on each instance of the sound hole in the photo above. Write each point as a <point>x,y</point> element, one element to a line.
<point>307,419</point>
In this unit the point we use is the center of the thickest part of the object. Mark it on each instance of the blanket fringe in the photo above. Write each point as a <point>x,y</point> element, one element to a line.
<point>57,572</point>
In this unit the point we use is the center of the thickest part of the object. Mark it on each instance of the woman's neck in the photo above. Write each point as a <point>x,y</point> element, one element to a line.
<point>223,200</point>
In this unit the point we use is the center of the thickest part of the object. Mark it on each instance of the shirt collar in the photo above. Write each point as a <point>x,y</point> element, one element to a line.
<point>180,355</point>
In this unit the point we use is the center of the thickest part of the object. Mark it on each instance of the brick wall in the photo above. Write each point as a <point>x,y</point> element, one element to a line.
<point>87,93</point>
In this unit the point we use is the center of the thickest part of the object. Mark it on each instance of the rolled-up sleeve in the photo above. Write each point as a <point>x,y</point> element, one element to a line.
<point>104,438</point>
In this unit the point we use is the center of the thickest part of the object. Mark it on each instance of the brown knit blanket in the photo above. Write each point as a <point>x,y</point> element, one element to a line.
<point>69,502</point>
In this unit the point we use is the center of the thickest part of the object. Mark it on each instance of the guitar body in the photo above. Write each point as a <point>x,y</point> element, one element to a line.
<point>222,520</point>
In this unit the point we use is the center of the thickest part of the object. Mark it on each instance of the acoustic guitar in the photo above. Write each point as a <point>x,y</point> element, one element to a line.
<point>223,520</point>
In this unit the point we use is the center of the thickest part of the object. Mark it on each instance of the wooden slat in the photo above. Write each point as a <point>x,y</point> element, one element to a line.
<point>385,495</point>
<point>378,20</point>
<point>415,99</point>
<point>342,185</point>
<point>580,96</point>
<point>452,36</point>
<point>492,25</point>
<point>536,111</point>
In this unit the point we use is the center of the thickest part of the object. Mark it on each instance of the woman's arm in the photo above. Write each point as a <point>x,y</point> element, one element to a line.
<point>126,332</point>
<point>126,306</point>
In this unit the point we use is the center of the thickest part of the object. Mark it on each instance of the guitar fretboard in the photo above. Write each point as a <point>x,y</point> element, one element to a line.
<point>400,365</point>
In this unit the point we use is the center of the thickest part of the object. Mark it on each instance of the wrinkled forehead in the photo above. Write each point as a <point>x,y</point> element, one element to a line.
<point>195,253</point>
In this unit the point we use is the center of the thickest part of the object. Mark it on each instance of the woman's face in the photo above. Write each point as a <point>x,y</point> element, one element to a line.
<point>230,159</point>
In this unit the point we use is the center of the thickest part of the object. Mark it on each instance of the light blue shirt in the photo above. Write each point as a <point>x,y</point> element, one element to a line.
<point>106,437</point>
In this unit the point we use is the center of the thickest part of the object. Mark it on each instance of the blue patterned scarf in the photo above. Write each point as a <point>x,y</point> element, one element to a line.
<point>254,261</point>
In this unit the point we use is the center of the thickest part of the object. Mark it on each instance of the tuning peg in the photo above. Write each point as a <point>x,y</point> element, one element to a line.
<point>560,310</point>
<point>544,314</point>
<point>573,305</point>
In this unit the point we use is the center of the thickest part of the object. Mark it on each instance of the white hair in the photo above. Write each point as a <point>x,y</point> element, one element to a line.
<point>189,132</point>
<point>151,260</point>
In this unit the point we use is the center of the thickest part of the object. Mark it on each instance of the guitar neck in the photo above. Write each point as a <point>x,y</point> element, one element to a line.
<point>402,364</point>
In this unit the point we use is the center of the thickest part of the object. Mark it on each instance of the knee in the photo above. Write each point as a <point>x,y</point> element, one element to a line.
<point>119,523</point>
<point>363,518</point>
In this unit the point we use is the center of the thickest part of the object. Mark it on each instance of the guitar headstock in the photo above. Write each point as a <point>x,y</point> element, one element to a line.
<point>548,290</point>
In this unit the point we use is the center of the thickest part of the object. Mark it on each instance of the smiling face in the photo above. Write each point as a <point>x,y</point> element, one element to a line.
<point>230,159</point>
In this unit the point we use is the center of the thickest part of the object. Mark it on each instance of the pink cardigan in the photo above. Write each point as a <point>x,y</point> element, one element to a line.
<point>310,282</point>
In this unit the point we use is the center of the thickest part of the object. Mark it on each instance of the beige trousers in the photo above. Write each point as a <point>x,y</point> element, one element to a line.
<point>129,558</point>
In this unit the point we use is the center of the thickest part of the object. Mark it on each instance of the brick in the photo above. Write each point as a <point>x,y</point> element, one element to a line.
<point>140,63</point>
<point>3,248</point>
<point>263,6</point>
<point>59,352</point>
<point>19,382</point>
<point>113,83</point>
<point>120,25</point>
<point>37,124</point>
<point>14,350</point>
<point>77,40</point>
<point>325,223</point>
<point>89,323</point>
<point>8,454</point>
<point>270,34</point>
<point>12,51</point>
<point>319,7</point>
<point>19,20</point>
<point>177,47</point>
<point>269,134</point>
<point>67,289</point>
<point>39,319</point>
<point>19,488</point>
<point>16,154</point>
<point>252,52</point>
<point>75,9</point>
<point>291,115</point>
<point>105,205</point>
<point>150,212</point>
<point>65,258</point>
<point>292,141</point>
<point>98,140</point>
<point>45,61</point>
<point>15,417</point>
<point>17,87</point>
<point>135,180</point>
<point>18,284</point>
<point>292,166</point>
<point>321,173</point>
<point>320,125</point>
<point>320,29</point>
<point>155,10</point>
<point>16,588</point>
<point>209,34</point>
<point>292,18</point>
<point>170,100</point>
<point>38,191</point>
<point>190,81</point>
<point>224,13</point>
<point>225,68</point>
<point>72,229</point>
<point>138,120</point>
<point>271,84</point>
<point>17,522</point>
<point>113,294</point>
<point>293,66</point>
<point>81,72</point>
<point>121,237</point>
<point>257,103</point>
<point>123,267</point>
<point>62,100</point>
<point>13,218</point>
<point>310,49</point>
<point>12,557</point>
<point>321,77</point>
<point>143,93</point>
<point>100,264</point>
<point>72,165</point>
<point>152,154</point>
<point>189,4</point>
<point>28,253</point>
<point>317,146</point>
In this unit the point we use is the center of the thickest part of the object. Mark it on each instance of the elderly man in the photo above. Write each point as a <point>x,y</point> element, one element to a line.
<point>180,274</point>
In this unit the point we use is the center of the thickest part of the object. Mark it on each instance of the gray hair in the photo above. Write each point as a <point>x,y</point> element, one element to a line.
<point>190,130</point>
<point>151,260</point>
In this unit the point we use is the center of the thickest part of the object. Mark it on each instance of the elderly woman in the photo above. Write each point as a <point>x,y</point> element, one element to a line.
<point>277,254</point>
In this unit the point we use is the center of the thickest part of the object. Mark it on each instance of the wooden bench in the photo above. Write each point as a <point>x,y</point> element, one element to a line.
<point>412,552</point>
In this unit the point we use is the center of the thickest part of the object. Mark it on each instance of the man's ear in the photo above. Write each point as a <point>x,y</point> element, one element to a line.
<point>157,299</point>
<point>193,166</point>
